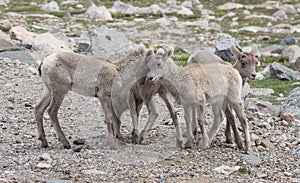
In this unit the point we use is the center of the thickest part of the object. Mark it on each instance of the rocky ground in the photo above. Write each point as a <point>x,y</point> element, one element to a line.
<point>275,142</point>
<point>274,158</point>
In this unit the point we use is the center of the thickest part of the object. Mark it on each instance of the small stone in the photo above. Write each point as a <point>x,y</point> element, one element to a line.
<point>284,123</point>
<point>227,170</point>
<point>45,157</point>
<point>288,117</point>
<point>261,175</point>
<point>288,174</point>
<point>267,144</point>
<point>254,138</point>
<point>79,142</point>
<point>77,148</point>
<point>251,159</point>
<point>32,134</point>
<point>43,166</point>
<point>11,120</point>
<point>93,171</point>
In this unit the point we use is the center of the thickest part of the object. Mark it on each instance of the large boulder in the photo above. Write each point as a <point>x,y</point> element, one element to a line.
<point>123,8</point>
<point>288,40</point>
<point>7,46</point>
<point>223,48</point>
<point>98,13</point>
<point>21,34</point>
<point>21,55</point>
<point>291,104</point>
<point>281,72</point>
<point>104,42</point>
<point>292,52</point>
<point>51,6</point>
<point>45,43</point>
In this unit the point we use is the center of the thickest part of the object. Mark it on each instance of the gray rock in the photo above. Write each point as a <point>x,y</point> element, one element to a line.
<point>51,6</point>
<point>223,48</point>
<point>214,26</point>
<point>251,159</point>
<point>281,72</point>
<point>63,37</point>
<point>98,13</point>
<point>272,49</point>
<point>288,40</point>
<point>23,56</point>
<point>7,46</point>
<point>4,3</point>
<point>47,43</point>
<point>104,42</point>
<point>291,104</point>
<point>292,52</point>
<point>123,8</point>
<point>280,14</point>
<point>288,8</point>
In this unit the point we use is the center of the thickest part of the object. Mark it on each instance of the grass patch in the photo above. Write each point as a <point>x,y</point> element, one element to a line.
<point>279,86</point>
<point>180,57</point>
<point>284,87</point>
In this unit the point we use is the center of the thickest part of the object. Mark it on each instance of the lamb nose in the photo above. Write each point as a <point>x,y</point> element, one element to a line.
<point>151,78</point>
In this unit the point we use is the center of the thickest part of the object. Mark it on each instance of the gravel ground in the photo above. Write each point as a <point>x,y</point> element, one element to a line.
<point>274,157</point>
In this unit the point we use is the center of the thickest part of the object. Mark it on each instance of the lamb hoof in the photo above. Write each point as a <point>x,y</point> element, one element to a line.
<point>45,144</point>
<point>179,143</point>
<point>188,144</point>
<point>140,139</point>
<point>120,137</point>
<point>229,141</point>
<point>67,146</point>
<point>203,145</point>
<point>135,137</point>
<point>113,147</point>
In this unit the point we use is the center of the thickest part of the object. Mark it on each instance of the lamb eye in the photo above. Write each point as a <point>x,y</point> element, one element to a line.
<point>243,56</point>
<point>256,56</point>
<point>158,64</point>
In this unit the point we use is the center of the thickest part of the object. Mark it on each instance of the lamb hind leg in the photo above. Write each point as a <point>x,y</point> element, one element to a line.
<point>204,143</point>
<point>230,121</point>
<point>218,118</point>
<point>56,101</point>
<point>39,113</point>
<point>108,111</point>
<point>189,119</point>
<point>239,110</point>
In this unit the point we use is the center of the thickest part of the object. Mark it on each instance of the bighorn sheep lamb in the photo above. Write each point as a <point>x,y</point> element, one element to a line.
<point>218,84</point>
<point>178,83</point>
<point>141,91</point>
<point>85,75</point>
<point>245,64</point>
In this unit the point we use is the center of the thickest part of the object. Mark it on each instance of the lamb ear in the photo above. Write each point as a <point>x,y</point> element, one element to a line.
<point>170,52</point>
<point>235,50</point>
<point>149,53</point>
<point>254,49</point>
